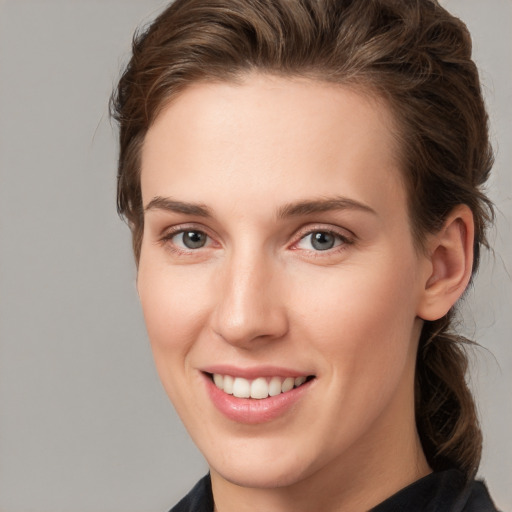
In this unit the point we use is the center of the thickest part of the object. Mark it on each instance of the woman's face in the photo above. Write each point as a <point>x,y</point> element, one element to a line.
<point>277,260</point>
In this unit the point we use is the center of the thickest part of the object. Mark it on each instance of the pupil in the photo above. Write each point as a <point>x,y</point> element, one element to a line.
<point>194,239</point>
<point>322,241</point>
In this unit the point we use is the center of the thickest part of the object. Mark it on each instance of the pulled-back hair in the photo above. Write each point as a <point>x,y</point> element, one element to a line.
<point>412,53</point>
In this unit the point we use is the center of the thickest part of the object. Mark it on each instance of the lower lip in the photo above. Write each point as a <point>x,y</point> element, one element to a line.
<point>253,411</point>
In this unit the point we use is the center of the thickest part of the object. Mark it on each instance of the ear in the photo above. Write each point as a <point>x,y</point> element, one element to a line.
<point>450,257</point>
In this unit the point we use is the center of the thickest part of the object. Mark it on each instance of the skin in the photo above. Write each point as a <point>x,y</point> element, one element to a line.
<point>259,293</point>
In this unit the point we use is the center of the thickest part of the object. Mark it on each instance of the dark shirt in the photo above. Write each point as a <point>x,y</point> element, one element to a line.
<point>445,491</point>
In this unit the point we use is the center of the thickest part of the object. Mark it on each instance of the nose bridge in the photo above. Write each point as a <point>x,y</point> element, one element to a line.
<point>249,305</point>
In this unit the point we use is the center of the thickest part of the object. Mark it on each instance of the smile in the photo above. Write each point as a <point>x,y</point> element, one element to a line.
<point>258,388</point>
<point>260,396</point>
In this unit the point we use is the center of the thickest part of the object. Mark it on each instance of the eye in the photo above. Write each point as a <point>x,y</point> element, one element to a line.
<point>320,241</point>
<point>189,239</point>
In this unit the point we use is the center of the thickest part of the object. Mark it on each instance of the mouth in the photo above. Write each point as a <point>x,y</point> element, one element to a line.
<point>256,395</point>
<point>258,388</point>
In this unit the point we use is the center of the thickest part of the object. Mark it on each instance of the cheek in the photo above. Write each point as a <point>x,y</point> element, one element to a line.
<point>363,317</point>
<point>364,330</point>
<point>174,303</point>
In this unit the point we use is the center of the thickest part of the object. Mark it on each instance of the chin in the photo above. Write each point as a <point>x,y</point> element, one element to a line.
<point>261,477</point>
<point>260,468</point>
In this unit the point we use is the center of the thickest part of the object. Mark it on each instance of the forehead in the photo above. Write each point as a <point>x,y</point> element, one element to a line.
<point>272,137</point>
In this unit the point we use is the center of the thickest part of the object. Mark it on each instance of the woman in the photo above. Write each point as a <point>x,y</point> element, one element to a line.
<point>303,181</point>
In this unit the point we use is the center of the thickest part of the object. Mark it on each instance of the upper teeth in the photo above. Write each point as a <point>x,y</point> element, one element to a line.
<point>257,388</point>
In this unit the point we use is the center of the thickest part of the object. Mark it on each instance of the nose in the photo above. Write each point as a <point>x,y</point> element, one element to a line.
<point>250,308</point>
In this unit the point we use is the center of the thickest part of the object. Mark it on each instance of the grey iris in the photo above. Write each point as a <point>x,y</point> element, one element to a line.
<point>194,239</point>
<point>322,241</point>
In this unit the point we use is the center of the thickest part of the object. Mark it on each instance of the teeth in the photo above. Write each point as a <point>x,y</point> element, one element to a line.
<point>274,387</point>
<point>288,384</point>
<point>241,388</point>
<point>258,388</point>
<point>227,384</point>
<point>299,381</point>
<point>219,380</point>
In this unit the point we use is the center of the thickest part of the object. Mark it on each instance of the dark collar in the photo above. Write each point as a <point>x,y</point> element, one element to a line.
<point>445,491</point>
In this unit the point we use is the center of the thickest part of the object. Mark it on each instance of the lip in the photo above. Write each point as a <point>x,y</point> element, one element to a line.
<point>252,411</point>
<point>254,372</point>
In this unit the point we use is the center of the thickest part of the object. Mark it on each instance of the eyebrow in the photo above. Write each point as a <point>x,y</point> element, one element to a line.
<point>168,204</point>
<point>297,209</point>
<point>308,207</point>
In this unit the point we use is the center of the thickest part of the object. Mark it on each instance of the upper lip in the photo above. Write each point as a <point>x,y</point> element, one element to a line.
<point>254,372</point>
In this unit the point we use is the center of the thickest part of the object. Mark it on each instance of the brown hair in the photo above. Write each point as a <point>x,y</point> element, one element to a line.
<point>412,53</point>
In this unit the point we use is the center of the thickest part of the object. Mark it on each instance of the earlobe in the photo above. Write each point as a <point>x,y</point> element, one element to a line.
<point>450,255</point>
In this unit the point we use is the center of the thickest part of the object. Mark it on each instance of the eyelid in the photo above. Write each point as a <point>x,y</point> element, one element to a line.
<point>170,231</point>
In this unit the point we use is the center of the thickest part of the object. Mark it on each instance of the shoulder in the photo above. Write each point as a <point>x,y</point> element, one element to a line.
<point>199,499</point>
<point>478,499</point>
<point>444,491</point>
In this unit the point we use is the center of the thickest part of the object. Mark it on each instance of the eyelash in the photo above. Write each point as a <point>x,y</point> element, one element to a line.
<point>166,239</point>
<point>343,240</point>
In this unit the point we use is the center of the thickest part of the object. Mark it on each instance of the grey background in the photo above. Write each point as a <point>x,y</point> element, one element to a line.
<point>84,423</point>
